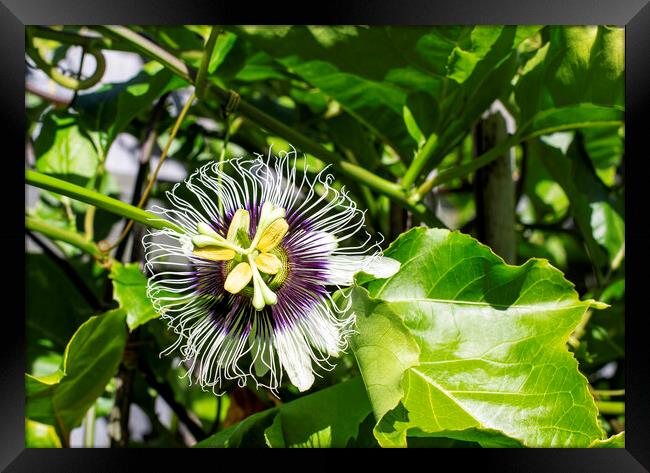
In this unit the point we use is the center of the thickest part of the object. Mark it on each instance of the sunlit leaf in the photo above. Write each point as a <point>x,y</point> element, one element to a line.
<point>63,150</point>
<point>615,441</point>
<point>458,344</point>
<point>130,291</point>
<point>39,435</point>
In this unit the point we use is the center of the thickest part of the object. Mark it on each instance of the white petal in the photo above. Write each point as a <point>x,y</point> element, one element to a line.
<point>293,353</point>
<point>326,242</point>
<point>321,330</point>
<point>186,244</point>
<point>342,268</point>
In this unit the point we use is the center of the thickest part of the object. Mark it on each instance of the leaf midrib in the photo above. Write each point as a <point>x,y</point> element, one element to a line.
<point>547,307</point>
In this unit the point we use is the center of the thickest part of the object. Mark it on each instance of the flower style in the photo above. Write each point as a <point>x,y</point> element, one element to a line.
<point>246,284</point>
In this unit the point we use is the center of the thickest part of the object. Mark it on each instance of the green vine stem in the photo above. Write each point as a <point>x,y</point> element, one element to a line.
<point>57,76</point>
<point>149,49</point>
<point>61,234</point>
<point>98,200</point>
<point>89,42</point>
<point>610,407</point>
<point>199,84</point>
<point>464,169</point>
<point>419,161</point>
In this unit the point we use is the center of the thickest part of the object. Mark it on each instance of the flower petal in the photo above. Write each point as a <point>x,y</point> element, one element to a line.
<point>342,268</point>
<point>293,353</point>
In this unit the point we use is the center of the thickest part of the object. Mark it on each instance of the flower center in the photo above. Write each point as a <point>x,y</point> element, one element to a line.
<point>250,258</point>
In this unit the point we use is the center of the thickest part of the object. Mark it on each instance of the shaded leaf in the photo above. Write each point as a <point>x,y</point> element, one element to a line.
<point>578,64</point>
<point>597,214</point>
<point>327,418</point>
<point>63,150</point>
<point>53,312</point>
<point>578,116</point>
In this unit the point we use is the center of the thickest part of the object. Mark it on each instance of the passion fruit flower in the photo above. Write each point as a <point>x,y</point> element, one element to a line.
<point>246,284</point>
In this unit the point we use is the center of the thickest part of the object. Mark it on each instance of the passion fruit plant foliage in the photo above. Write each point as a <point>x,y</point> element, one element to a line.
<point>457,348</point>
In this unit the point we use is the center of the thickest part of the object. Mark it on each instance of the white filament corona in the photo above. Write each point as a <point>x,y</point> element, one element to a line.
<point>221,336</point>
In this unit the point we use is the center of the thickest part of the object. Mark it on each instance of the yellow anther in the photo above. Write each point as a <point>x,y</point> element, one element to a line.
<point>214,253</point>
<point>272,235</point>
<point>240,221</point>
<point>268,263</point>
<point>238,278</point>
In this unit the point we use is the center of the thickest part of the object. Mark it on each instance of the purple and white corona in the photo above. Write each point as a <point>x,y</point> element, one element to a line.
<point>246,284</point>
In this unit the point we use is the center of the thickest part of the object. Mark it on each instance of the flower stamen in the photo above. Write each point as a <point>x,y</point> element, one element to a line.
<point>239,226</point>
<point>268,263</point>
<point>214,253</point>
<point>269,215</point>
<point>238,278</point>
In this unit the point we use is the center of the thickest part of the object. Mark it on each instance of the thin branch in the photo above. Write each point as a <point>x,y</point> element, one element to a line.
<point>611,407</point>
<point>217,418</point>
<point>150,49</point>
<point>607,392</point>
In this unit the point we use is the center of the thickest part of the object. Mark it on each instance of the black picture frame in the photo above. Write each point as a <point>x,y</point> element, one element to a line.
<point>633,14</point>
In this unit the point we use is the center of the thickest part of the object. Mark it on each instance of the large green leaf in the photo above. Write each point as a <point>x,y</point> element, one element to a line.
<point>91,359</point>
<point>589,64</point>
<point>461,345</point>
<point>327,418</point>
<point>130,291</point>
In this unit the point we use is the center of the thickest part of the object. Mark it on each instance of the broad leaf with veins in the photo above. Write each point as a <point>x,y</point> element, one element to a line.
<point>459,344</point>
